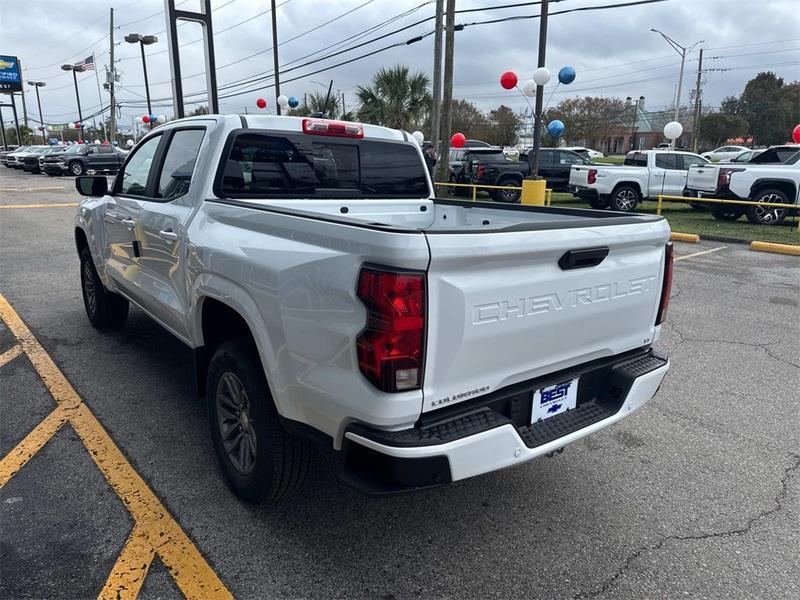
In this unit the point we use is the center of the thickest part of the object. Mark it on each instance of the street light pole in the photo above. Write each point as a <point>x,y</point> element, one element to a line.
<point>275,57</point>
<point>37,85</point>
<point>537,123</point>
<point>143,40</point>
<point>683,51</point>
<point>75,70</point>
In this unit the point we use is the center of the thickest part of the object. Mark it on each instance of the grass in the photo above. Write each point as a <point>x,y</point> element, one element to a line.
<point>685,219</point>
<point>612,160</point>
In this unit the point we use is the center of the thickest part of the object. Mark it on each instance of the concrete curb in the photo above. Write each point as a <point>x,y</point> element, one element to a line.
<point>777,248</point>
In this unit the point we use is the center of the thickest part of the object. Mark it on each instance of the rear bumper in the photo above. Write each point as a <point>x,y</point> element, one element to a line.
<point>497,434</point>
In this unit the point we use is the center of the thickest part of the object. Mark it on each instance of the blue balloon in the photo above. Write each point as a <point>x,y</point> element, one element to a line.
<point>293,102</point>
<point>566,75</point>
<point>555,128</point>
<point>153,118</point>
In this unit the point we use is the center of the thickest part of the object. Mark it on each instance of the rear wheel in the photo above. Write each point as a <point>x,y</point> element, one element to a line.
<point>105,309</point>
<point>625,198</point>
<point>508,196</point>
<point>259,459</point>
<point>726,213</point>
<point>767,215</point>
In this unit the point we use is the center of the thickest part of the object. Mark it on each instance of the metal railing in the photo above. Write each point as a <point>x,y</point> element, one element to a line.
<point>663,197</point>
<point>548,193</point>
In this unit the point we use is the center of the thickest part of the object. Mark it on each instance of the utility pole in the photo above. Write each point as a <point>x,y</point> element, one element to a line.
<point>437,76</point>
<point>22,91</point>
<point>344,110</point>
<point>696,118</point>
<point>275,57</point>
<point>112,78</point>
<point>445,118</point>
<point>537,127</point>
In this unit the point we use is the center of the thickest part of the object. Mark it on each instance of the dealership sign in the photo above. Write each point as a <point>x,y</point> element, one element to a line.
<point>10,77</point>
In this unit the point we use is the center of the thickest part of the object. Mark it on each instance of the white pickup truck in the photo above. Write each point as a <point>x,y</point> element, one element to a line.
<point>644,175</point>
<point>773,183</point>
<point>329,297</point>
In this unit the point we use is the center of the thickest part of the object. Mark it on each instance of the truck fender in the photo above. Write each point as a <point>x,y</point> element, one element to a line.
<point>787,186</point>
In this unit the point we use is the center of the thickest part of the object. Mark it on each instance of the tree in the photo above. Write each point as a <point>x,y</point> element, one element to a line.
<point>316,103</point>
<point>200,110</point>
<point>717,128</point>
<point>729,105</point>
<point>589,119</point>
<point>503,126</point>
<point>397,98</point>
<point>762,105</point>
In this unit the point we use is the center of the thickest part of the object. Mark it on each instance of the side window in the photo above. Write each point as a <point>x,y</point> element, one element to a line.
<point>105,149</point>
<point>137,169</point>
<point>690,160</point>
<point>666,161</point>
<point>546,157</point>
<point>176,174</point>
<point>91,150</point>
<point>569,158</point>
<point>635,159</point>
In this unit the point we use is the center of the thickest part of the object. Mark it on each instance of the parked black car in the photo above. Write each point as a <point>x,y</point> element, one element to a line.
<point>32,162</point>
<point>487,166</point>
<point>554,166</point>
<point>80,158</point>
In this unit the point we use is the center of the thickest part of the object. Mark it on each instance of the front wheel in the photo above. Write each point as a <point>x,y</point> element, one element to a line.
<point>625,198</point>
<point>76,168</point>
<point>767,215</point>
<point>106,310</point>
<point>260,460</point>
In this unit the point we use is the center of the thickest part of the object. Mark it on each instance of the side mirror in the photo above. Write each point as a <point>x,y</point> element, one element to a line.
<point>95,185</point>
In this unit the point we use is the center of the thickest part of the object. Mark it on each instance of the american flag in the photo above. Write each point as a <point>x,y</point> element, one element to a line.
<point>87,64</point>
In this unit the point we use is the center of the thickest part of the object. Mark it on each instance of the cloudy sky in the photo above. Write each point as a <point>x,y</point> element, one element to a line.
<point>612,49</point>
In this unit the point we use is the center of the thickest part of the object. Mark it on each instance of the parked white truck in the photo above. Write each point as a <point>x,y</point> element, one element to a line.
<point>772,183</point>
<point>644,175</point>
<point>329,297</point>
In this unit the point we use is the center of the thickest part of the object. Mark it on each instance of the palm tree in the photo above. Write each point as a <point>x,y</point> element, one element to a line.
<point>316,103</point>
<point>397,98</point>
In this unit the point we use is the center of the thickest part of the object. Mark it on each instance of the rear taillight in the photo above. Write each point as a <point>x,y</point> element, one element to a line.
<point>333,128</point>
<point>666,286</point>
<point>391,349</point>
<point>724,177</point>
<point>480,170</point>
<point>592,176</point>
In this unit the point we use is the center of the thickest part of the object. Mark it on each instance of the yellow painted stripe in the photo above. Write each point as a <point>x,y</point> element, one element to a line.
<point>193,575</point>
<point>131,568</point>
<point>50,205</point>
<point>778,248</point>
<point>10,354</point>
<point>33,442</point>
<point>700,253</point>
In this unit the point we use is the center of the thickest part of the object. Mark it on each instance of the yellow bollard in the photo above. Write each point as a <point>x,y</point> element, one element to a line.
<point>533,192</point>
<point>474,193</point>
<point>660,202</point>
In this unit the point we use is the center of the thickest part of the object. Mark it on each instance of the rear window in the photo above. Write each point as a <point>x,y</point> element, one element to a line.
<point>261,165</point>
<point>489,157</point>
<point>635,159</point>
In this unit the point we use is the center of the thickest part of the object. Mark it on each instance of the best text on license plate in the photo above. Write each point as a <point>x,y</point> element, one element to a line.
<point>554,400</point>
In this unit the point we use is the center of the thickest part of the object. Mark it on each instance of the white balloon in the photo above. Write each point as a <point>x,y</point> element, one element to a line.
<point>673,130</point>
<point>139,120</point>
<point>283,101</point>
<point>529,88</point>
<point>129,143</point>
<point>97,141</point>
<point>162,119</point>
<point>419,136</point>
<point>541,76</point>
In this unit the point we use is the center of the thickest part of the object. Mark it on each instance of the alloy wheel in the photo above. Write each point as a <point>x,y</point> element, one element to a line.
<point>235,421</point>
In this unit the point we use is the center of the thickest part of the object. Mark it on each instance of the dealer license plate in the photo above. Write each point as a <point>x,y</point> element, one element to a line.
<point>554,400</point>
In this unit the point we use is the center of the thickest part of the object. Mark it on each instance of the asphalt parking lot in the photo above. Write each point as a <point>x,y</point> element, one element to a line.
<point>118,494</point>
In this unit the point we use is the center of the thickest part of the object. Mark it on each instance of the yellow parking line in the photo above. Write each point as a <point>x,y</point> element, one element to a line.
<point>131,568</point>
<point>33,442</point>
<point>10,354</point>
<point>700,253</point>
<point>50,205</point>
<point>193,575</point>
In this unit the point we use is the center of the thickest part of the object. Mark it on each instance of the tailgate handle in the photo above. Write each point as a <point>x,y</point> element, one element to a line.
<point>581,259</point>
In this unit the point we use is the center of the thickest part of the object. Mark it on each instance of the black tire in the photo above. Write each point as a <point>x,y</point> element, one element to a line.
<point>275,462</point>
<point>722,212</point>
<point>106,310</point>
<point>624,198</point>
<point>508,196</point>
<point>456,191</point>
<point>76,168</point>
<point>598,202</point>
<point>767,215</point>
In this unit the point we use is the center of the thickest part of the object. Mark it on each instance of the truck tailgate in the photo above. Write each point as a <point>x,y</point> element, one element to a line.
<point>502,310</point>
<point>702,178</point>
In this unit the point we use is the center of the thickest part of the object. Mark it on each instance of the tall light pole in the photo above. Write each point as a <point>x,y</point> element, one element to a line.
<point>37,85</point>
<point>75,70</point>
<point>275,57</point>
<point>143,40</point>
<point>683,51</point>
<point>533,157</point>
<point>636,108</point>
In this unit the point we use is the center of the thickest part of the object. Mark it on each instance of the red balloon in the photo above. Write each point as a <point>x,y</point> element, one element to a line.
<point>77,125</point>
<point>261,103</point>
<point>508,80</point>
<point>458,140</point>
<point>146,119</point>
<point>796,134</point>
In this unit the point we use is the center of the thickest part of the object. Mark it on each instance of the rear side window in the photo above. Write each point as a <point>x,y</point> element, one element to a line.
<point>261,165</point>
<point>635,159</point>
<point>667,161</point>
<point>176,174</point>
<point>105,150</point>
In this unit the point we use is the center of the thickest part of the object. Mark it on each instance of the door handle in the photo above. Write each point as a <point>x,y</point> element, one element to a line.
<point>168,234</point>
